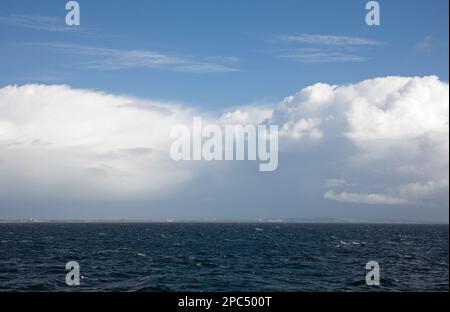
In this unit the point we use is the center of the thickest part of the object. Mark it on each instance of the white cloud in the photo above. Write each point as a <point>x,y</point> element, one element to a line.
<point>316,39</point>
<point>89,144</point>
<point>246,115</point>
<point>99,58</point>
<point>401,109</point>
<point>363,198</point>
<point>399,126</point>
<point>388,136</point>
<point>381,109</point>
<point>39,22</point>
<point>297,129</point>
<point>316,48</point>
<point>322,56</point>
<point>411,193</point>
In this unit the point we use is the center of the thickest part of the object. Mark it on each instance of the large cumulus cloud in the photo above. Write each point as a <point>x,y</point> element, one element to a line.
<point>382,141</point>
<point>399,126</point>
<point>59,141</point>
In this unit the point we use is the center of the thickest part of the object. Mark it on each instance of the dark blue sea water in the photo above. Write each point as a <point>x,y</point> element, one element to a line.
<point>223,257</point>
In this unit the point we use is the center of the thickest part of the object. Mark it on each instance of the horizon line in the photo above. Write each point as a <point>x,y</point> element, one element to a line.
<point>223,221</point>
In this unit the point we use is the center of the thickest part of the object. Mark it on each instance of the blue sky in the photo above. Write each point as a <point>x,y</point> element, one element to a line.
<point>239,49</point>
<point>86,112</point>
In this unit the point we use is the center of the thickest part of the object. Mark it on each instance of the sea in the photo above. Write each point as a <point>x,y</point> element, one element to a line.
<point>165,257</point>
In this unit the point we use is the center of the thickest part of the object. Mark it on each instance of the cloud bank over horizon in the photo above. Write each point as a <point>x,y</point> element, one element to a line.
<point>376,148</point>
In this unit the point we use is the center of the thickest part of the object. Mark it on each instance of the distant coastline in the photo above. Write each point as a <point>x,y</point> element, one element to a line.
<point>244,221</point>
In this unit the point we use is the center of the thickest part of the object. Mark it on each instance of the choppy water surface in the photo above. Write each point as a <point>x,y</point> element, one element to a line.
<point>223,257</point>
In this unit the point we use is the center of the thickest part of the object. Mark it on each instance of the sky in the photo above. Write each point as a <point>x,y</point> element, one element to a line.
<point>85,111</point>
